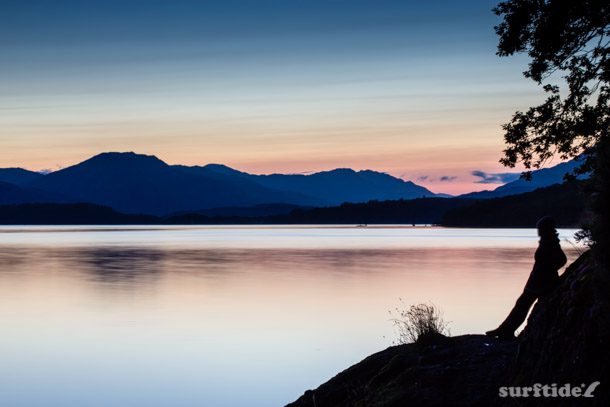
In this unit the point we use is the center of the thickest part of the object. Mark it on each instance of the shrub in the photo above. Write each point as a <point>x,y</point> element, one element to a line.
<point>418,323</point>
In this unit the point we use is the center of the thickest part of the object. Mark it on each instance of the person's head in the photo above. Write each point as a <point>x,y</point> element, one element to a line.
<point>546,227</point>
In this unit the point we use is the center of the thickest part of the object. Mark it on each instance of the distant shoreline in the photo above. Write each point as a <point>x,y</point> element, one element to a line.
<point>562,201</point>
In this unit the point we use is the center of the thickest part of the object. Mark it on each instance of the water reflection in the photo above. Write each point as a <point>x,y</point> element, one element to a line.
<point>117,265</point>
<point>115,317</point>
<point>11,259</point>
<point>125,264</point>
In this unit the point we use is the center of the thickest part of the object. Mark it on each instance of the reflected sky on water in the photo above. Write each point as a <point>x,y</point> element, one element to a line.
<point>230,316</point>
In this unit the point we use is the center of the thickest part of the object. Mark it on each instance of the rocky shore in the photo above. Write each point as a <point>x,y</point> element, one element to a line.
<point>566,340</point>
<point>462,370</point>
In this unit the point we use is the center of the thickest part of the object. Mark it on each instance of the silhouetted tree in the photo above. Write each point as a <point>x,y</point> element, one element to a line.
<point>568,45</point>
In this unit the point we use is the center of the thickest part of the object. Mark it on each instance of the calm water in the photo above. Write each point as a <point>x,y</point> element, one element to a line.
<point>229,316</point>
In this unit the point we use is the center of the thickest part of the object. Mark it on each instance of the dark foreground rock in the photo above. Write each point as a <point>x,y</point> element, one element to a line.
<point>566,340</point>
<point>567,337</point>
<point>462,370</point>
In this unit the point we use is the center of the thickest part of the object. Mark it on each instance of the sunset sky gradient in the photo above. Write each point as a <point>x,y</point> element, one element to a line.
<point>406,87</point>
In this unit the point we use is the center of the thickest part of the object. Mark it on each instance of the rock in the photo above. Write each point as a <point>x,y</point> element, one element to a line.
<point>462,370</point>
<point>566,340</point>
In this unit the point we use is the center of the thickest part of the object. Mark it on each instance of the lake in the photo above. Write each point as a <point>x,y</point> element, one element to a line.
<point>230,316</point>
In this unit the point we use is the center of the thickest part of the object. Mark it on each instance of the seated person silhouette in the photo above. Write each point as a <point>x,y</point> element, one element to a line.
<point>549,258</point>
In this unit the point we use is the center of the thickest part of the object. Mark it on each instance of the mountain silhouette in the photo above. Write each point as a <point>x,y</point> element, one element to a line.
<point>15,194</point>
<point>142,184</point>
<point>336,186</point>
<point>18,176</point>
<point>135,183</point>
<point>540,178</point>
<point>565,202</point>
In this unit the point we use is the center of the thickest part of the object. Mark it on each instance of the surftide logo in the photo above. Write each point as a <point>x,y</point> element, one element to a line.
<point>549,390</point>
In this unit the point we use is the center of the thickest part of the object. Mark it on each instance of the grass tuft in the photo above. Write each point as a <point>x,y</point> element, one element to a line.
<point>418,323</point>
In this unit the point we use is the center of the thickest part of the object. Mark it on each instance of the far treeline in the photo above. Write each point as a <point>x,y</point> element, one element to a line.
<point>565,202</point>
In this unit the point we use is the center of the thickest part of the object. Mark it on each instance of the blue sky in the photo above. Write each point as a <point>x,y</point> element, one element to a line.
<point>410,88</point>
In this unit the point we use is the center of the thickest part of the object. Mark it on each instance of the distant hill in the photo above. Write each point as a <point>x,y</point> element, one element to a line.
<point>15,194</point>
<point>418,211</point>
<point>68,214</point>
<point>18,176</point>
<point>135,183</point>
<point>247,211</point>
<point>337,186</point>
<point>413,211</point>
<point>142,184</point>
<point>565,202</point>
<point>540,178</point>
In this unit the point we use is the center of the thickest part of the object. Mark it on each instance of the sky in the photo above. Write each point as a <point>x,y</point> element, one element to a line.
<point>410,88</point>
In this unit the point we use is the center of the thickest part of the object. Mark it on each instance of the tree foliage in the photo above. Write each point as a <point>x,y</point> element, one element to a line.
<point>568,44</point>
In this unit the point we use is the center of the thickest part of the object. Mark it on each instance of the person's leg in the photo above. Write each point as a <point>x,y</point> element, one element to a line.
<point>517,315</point>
